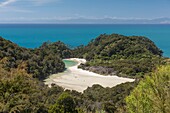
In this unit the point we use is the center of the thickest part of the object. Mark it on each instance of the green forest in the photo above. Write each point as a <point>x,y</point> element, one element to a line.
<point>23,70</point>
<point>131,56</point>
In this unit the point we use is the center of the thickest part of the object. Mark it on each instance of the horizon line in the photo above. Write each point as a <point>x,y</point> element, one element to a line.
<point>85,23</point>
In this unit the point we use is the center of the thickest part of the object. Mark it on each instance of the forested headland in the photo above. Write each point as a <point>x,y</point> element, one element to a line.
<point>40,62</point>
<point>22,71</point>
<point>130,56</point>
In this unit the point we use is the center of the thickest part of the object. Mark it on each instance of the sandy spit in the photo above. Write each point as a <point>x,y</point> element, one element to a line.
<point>78,79</point>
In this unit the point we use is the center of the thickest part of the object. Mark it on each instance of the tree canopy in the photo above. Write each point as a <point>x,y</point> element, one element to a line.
<point>40,62</point>
<point>65,104</point>
<point>131,56</point>
<point>152,95</point>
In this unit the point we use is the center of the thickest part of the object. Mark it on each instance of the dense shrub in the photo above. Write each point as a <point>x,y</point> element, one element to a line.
<point>20,93</point>
<point>152,95</point>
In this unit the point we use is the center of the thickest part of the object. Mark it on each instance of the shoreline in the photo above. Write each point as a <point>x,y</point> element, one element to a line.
<point>78,79</point>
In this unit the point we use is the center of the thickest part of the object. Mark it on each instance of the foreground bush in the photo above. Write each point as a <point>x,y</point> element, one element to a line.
<point>152,95</point>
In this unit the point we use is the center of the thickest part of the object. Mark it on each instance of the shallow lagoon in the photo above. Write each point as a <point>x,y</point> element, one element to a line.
<point>69,63</point>
<point>77,79</point>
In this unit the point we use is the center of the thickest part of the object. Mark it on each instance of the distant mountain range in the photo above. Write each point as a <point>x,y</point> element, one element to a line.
<point>82,20</point>
<point>117,21</point>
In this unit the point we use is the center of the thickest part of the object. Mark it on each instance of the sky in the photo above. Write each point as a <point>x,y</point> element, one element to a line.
<point>65,10</point>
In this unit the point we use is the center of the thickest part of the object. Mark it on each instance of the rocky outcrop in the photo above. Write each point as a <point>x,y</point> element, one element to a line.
<point>98,69</point>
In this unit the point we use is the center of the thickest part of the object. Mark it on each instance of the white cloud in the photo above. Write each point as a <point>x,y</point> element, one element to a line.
<point>35,2</point>
<point>6,7</point>
<point>41,2</point>
<point>7,2</point>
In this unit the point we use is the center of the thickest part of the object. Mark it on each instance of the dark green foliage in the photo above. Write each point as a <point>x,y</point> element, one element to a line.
<point>42,67</point>
<point>95,98</point>
<point>107,99</point>
<point>109,107</point>
<point>41,62</point>
<point>57,48</point>
<point>20,93</point>
<point>127,56</point>
<point>13,53</point>
<point>65,104</point>
<point>79,51</point>
<point>108,45</point>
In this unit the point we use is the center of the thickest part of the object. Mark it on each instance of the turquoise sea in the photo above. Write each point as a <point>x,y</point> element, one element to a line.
<point>69,63</point>
<point>33,35</point>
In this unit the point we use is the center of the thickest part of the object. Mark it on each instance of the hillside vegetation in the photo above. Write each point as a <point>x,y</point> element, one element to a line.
<point>108,54</point>
<point>40,62</point>
<point>131,56</point>
<point>152,95</point>
<point>22,92</point>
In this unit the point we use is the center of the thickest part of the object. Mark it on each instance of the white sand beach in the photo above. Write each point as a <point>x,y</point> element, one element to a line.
<point>78,79</point>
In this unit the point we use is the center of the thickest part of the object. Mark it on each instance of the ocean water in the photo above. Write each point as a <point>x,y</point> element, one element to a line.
<point>33,35</point>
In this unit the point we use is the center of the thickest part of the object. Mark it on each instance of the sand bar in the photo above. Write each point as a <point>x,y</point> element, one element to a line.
<point>78,79</point>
